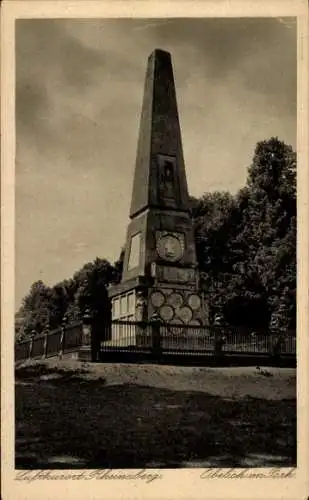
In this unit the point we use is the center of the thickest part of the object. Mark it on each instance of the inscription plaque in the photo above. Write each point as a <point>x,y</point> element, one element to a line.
<point>134,251</point>
<point>176,274</point>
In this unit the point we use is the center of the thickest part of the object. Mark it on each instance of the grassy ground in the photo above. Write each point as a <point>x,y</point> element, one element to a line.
<point>118,416</point>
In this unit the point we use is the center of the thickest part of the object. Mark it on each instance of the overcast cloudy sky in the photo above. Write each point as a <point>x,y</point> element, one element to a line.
<point>79,87</point>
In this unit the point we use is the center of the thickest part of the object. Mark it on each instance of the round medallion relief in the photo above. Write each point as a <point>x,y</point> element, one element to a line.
<point>185,314</point>
<point>194,302</point>
<point>166,313</point>
<point>169,247</point>
<point>175,300</point>
<point>157,299</point>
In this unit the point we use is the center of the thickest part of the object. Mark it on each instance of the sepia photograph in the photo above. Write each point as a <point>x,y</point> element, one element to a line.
<point>155,243</point>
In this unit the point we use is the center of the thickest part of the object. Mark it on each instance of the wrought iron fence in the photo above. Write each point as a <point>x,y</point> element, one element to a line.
<point>54,340</point>
<point>53,343</point>
<point>244,341</point>
<point>160,339</point>
<point>38,346</point>
<point>127,336</point>
<point>22,350</point>
<point>178,339</point>
<point>73,337</point>
<point>183,339</point>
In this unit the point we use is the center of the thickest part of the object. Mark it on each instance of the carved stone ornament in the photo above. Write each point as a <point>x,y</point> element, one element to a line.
<point>157,299</point>
<point>140,307</point>
<point>170,246</point>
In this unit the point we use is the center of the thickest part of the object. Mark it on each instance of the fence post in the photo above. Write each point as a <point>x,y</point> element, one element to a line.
<point>63,326</point>
<point>31,344</point>
<point>275,345</point>
<point>219,343</point>
<point>156,337</point>
<point>30,348</point>
<point>45,345</point>
<point>87,350</point>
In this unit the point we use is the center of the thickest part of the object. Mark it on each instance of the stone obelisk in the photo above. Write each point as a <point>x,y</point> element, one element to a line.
<point>160,275</point>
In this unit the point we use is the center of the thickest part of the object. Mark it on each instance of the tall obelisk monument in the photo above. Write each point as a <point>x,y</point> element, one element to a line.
<point>160,275</point>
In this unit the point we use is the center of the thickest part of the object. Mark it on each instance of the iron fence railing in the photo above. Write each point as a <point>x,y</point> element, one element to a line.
<point>126,336</point>
<point>50,344</point>
<point>73,337</point>
<point>186,339</point>
<point>159,338</point>
<point>22,350</point>
<point>178,338</point>
<point>54,340</point>
<point>38,346</point>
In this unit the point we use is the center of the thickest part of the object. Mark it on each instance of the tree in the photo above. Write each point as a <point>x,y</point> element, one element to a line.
<point>36,309</point>
<point>118,266</point>
<point>215,216</point>
<point>45,308</point>
<point>212,228</point>
<point>92,298</point>
<point>271,229</point>
<point>61,297</point>
<point>92,282</point>
<point>246,244</point>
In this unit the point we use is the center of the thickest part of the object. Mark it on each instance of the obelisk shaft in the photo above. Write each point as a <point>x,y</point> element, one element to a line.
<point>159,144</point>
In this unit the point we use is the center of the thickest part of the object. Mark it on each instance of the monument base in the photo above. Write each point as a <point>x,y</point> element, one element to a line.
<point>173,303</point>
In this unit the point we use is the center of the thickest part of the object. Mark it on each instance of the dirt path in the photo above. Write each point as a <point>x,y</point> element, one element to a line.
<point>229,383</point>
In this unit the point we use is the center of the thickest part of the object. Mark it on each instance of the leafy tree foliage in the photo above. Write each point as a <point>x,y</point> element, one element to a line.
<point>246,244</point>
<point>91,281</point>
<point>36,310</point>
<point>118,265</point>
<point>46,308</point>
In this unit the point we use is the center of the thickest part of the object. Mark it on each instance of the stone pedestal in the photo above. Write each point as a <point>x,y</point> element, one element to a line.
<point>84,352</point>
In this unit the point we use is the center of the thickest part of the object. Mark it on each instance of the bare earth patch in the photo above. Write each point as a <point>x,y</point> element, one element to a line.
<point>115,416</point>
<point>227,382</point>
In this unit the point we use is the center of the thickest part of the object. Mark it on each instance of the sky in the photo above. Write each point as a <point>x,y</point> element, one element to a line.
<point>79,90</point>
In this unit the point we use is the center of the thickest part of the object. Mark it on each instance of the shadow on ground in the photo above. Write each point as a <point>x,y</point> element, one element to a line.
<point>66,421</point>
<point>38,371</point>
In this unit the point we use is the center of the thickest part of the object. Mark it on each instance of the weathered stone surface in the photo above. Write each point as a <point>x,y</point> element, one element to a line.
<point>159,142</point>
<point>148,224</point>
<point>160,245</point>
<point>178,303</point>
